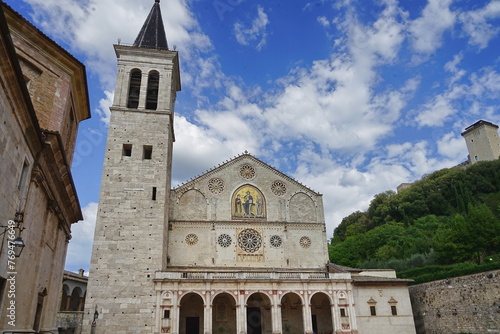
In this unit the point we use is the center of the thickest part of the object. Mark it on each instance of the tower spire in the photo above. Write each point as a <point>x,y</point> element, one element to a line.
<point>152,34</point>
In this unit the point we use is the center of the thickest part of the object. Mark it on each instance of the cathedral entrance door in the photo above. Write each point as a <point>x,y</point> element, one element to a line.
<point>192,325</point>
<point>254,320</point>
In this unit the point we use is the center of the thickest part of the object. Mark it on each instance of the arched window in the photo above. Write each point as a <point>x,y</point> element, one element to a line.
<point>152,94</point>
<point>134,89</point>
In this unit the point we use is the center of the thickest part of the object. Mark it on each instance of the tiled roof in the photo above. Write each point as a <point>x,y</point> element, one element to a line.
<point>377,279</point>
<point>152,34</point>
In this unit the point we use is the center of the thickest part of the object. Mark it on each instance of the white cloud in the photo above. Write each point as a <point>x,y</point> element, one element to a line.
<point>256,32</point>
<point>476,26</point>
<point>323,21</point>
<point>480,87</point>
<point>452,67</point>
<point>427,31</point>
<point>80,246</point>
<point>485,84</point>
<point>104,105</point>
<point>436,112</point>
<point>196,149</point>
<point>452,147</point>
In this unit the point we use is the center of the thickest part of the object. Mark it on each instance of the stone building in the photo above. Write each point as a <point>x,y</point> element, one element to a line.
<point>240,249</point>
<point>74,291</point>
<point>43,97</point>
<point>482,141</point>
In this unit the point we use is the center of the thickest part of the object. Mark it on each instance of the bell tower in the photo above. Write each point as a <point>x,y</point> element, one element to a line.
<point>131,231</point>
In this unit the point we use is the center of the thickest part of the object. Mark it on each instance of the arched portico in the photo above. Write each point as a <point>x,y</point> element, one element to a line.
<point>258,314</point>
<point>321,311</point>
<point>224,314</point>
<point>191,317</point>
<point>292,314</point>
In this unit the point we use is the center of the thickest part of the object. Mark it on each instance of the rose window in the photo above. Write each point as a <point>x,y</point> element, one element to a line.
<point>247,172</point>
<point>276,241</point>
<point>249,240</point>
<point>191,239</point>
<point>224,240</point>
<point>216,185</point>
<point>305,242</point>
<point>278,188</point>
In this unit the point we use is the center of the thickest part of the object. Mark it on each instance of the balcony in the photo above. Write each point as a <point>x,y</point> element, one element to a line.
<point>249,275</point>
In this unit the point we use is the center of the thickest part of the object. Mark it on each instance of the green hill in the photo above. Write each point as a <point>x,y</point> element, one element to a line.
<point>448,217</point>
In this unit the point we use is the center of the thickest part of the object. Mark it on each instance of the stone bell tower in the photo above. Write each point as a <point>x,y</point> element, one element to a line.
<point>132,221</point>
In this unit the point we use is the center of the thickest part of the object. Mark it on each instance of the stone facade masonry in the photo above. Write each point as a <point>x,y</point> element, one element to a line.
<point>131,232</point>
<point>38,129</point>
<point>466,304</point>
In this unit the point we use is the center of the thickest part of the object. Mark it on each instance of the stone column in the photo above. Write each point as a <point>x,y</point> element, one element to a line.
<point>175,312</point>
<point>241,315</point>
<point>276,312</point>
<point>352,312</point>
<point>122,86</point>
<point>337,327</point>
<point>307,317</point>
<point>208,317</point>
<point>159,316</point>
<point>144,88</point>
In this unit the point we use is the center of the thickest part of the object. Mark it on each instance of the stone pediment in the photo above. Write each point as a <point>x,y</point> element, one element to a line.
<point>247,172</point>
<point>246,188</point>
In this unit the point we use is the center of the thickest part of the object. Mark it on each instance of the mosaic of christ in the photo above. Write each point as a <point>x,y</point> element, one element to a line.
<point>248,202</point>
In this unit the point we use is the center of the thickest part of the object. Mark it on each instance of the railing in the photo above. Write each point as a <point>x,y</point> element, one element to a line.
<point>250,275</point>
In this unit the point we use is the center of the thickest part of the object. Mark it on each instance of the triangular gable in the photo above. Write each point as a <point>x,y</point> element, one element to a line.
<point>239,159</point>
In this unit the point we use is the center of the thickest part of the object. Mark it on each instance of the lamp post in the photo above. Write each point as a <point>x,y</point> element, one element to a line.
<point>16,245</point>
<point>19,245</point>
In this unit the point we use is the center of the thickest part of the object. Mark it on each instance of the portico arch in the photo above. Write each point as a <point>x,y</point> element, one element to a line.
<point>224,314</point>
<point>191,318</point>
<point>259,314</point>
<point>321,312</point>
<point>292,314</point>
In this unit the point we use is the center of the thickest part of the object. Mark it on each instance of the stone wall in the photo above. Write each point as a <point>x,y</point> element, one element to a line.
<point>466,304</point>
<point>70,322</point>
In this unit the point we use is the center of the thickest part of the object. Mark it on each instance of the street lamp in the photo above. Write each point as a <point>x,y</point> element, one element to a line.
<point>17,245</point>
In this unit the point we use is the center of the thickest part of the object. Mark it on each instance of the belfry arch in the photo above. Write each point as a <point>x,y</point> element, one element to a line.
<point>134,89</point>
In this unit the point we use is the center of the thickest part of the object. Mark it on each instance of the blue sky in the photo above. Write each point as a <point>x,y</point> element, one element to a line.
<point>349,97</point>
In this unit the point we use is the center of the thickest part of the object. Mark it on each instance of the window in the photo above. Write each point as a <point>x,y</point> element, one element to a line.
<point>166,314</point>
<point>343,312</point>
<point>134,89</point>
<point>24,175</point>
<point>394,310</point>
<point>153,196</point>
<point>373,310</point>
<point>127,150</point>
<point>152,93</point>
<point>147,152</point>
<point>476,157</point>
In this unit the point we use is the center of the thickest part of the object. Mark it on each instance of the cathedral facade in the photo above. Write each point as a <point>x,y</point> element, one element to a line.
<point>240,249</point>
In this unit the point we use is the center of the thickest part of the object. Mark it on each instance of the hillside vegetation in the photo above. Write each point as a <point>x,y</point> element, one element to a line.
<point>449,217</point>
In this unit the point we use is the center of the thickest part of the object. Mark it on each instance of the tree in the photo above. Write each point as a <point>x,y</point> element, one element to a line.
<point>451,244</point>
<point>484,231</point>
